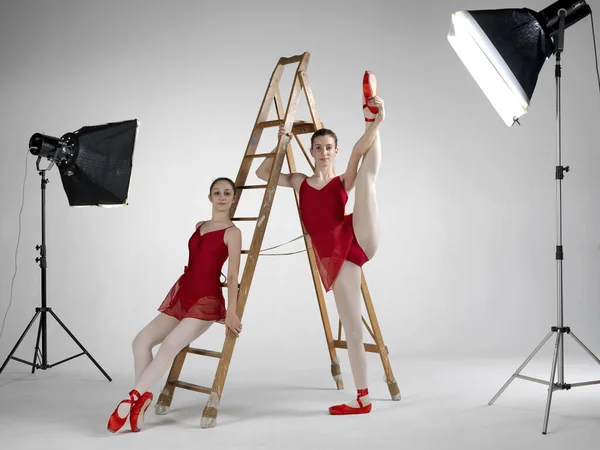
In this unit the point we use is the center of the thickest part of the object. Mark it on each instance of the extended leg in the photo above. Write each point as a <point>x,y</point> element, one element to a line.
<point>149,337</point>
<point>187,331</point>
<point>139,398</point>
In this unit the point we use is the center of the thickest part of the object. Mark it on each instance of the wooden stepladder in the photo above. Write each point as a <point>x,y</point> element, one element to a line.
<point>283,151</point>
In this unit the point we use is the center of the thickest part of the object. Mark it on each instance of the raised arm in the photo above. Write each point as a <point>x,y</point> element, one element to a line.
<point>293,180</point>
<point>363,144</point>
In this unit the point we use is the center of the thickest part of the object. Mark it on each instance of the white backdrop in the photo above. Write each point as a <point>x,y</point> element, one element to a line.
<point>466,264</point>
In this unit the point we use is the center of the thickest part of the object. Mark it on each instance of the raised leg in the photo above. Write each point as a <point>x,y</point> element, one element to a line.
<point>365,218</point>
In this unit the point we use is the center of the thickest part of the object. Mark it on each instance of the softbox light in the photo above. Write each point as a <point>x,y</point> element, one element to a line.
<point>505,49</point>
<point>95,167</point>
<point>94,162</point>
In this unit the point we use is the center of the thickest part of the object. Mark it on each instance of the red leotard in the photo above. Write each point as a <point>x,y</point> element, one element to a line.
<point>331,232</point>
<point>197,293</point>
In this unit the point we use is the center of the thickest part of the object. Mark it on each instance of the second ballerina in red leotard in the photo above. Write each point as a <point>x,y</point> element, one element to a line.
<point>192,305</point>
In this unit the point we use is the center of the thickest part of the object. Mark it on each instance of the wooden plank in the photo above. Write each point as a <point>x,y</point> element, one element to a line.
<point>260,155</point>
<point>303,128</point>
<point>190,386</point>
<point>299,126</point>
<point>312,107</point>
<point>291,59</point>
<point>269,124</point>
<point>371,348</point>
<point>203,352</point>
<point>252,186</point>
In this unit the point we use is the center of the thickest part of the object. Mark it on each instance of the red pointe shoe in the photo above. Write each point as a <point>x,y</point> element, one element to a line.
<point>116,422</point>
<point>138,410</point>
<point>369,90</point>
<point>343,410</point>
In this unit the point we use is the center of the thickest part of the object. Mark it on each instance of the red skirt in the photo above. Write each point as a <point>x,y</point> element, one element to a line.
<point>180,303</point>
<point>333,247</point>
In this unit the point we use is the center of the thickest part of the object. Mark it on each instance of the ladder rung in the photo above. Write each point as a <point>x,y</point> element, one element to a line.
<point>303,127</point>
<point>291,60</point>
<point>245,252</point>
<point>260,155</point>
<point>225,285</point>
<point>299,127</point>
<point>270,123</point>
<point>202,352</point>
<point>368,347</point>
<point>244,219</point>
<point>252,186</point>
<point>190,386</point>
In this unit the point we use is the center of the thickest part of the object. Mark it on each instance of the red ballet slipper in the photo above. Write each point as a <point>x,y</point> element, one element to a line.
<point>369,90</point>
<point>343,410</point>
<point>116,422</point>
<point>138,410</point>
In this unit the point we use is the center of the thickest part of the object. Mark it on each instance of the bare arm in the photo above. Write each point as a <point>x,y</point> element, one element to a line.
<point>293,180</point>
<point>233,239</point>
<point>363,145</point>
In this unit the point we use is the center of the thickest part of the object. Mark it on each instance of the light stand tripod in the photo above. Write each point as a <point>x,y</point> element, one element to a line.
<point>560,329</point>
<point>42,355</point>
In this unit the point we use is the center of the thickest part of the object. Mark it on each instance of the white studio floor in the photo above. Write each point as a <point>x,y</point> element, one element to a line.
<point>443,406</point>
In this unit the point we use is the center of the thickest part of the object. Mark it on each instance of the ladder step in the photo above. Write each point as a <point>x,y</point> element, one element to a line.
<point>260,155</point>
<point>368,347</point>
<point>299,127</point>
<point>202,352</point>
<point>253,186</point>
<point>290,60</point>
<point>270,123</point>
<point>225,285</point>
<point>244,219</point>
<point>189,386</point>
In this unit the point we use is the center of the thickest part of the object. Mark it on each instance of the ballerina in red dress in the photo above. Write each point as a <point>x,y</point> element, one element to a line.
<point>192,305</point>
<point>343,243</point>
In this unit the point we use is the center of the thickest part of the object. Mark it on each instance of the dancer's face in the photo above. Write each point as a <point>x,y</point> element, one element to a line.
<point>221,195</point>
<point>324,150</point>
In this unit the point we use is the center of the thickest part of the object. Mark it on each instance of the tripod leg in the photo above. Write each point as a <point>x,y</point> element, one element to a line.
<point>19,341</point>
<point>79,344</point>
<point>37,348</point>
<point>588,351</point>
<point>529,358</point>
<point>551,384</point>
